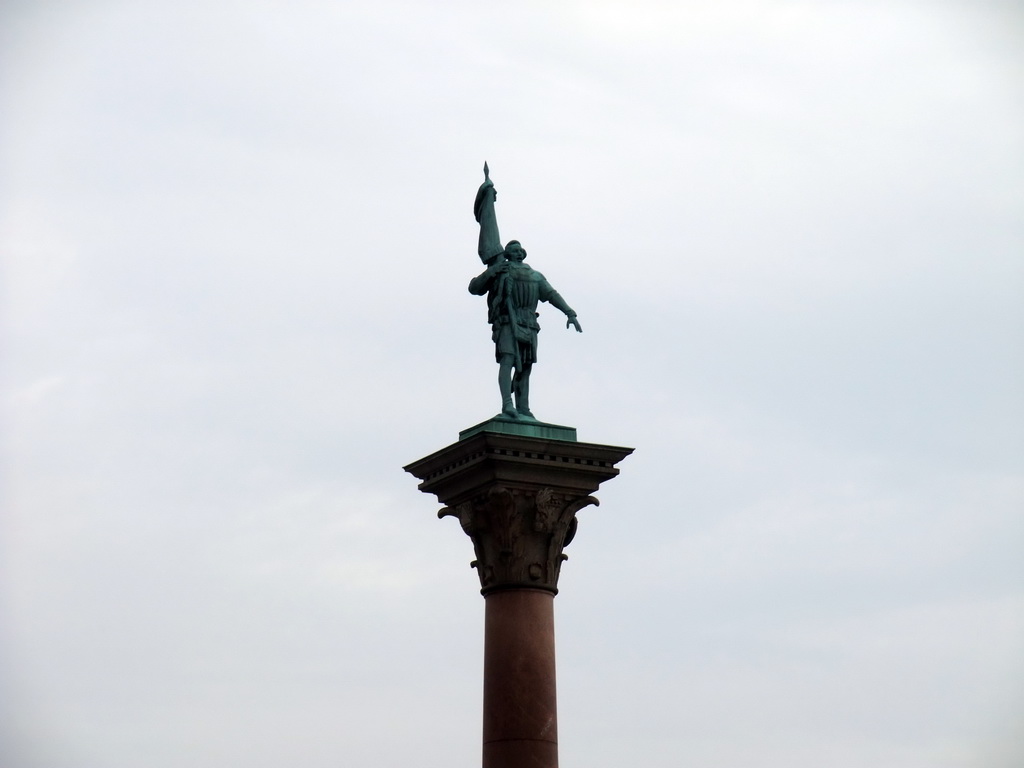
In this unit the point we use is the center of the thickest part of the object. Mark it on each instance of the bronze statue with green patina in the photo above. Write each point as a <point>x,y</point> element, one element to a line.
<point>513,291</point>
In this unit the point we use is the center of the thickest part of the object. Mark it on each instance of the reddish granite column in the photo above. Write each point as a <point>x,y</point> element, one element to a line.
<point>520,722</point>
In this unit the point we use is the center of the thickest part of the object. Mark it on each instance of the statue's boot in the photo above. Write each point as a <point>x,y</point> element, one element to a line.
<point>508,410</point>
<point>505,385</point>
<point>522,387</point>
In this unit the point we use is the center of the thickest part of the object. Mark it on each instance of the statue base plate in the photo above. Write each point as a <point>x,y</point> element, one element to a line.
<point>503,425</point>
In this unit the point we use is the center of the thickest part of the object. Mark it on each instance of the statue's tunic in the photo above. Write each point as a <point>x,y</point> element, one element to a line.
<point>512,308</point>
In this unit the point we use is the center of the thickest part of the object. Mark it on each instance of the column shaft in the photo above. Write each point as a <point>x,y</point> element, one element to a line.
<point>520,721</point>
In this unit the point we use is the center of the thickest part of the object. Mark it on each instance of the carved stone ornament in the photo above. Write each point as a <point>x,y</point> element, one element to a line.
<point>518,535</point>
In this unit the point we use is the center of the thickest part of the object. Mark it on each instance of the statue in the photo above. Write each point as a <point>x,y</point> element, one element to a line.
<point>513,290</point>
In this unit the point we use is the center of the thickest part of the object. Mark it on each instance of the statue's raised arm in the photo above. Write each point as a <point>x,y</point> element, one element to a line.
<point>513,291</point>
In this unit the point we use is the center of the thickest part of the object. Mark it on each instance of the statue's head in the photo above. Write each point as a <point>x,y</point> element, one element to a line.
<point>514,251</point>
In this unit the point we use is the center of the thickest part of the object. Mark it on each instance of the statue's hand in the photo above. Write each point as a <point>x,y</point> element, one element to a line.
<point>573,322</point>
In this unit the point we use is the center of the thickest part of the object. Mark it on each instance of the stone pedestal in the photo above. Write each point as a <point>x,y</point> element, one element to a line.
<point>516,496</point>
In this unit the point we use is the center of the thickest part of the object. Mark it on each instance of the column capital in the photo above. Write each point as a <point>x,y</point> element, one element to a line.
<point>517,497</point>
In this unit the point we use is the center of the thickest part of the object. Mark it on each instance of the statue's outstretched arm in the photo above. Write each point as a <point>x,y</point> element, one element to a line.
<point>554,298</point>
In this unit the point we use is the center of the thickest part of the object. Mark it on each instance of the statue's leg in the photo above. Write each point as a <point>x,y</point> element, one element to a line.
<point>522,388</point>
<point>505,365</point>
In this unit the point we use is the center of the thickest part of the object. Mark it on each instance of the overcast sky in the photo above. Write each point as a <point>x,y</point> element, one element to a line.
<point>236,239</point>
